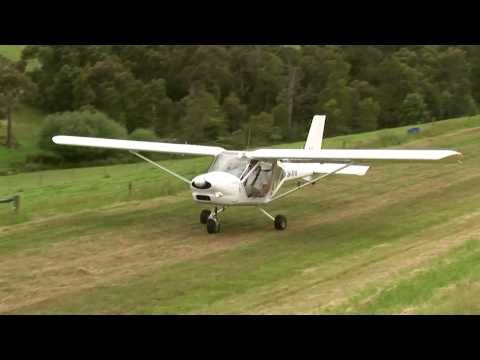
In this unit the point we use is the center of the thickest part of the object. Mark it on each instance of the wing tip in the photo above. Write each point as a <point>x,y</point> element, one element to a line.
<point>455,153</point>
<point>459,155</point>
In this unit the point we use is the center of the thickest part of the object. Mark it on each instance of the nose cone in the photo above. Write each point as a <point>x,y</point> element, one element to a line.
<point>201,183</point>
<point>217,185</point>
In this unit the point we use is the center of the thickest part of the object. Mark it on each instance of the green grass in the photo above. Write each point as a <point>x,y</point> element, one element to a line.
<point>12,52</point>
<point>54,192</point>
<point>461,266</point>
<point>400,238</point>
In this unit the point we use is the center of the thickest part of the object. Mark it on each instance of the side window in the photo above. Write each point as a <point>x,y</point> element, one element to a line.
<point>259,181</point>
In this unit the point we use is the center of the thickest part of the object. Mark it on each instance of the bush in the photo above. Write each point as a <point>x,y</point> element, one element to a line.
<point>143,135</point>
<point>79,123</point>
<point>44,157</point>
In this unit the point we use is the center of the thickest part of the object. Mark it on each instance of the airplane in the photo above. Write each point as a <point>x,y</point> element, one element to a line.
<point>255,177</point>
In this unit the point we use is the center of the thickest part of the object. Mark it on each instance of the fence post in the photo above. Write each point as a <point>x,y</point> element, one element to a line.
<point>16,204</point>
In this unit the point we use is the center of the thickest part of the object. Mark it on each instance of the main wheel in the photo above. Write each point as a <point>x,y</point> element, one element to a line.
<point>204,215</point>
<point>213,226</point>
<point>280,222</point>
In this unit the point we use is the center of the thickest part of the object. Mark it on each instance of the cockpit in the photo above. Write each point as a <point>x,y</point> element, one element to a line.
<point>232,163</point>
<point>256,176</point>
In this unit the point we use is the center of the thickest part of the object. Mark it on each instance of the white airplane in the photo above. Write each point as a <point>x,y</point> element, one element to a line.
<point>254,178</point>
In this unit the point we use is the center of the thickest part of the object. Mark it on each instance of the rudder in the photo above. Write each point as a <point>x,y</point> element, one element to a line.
<point>315,135</point>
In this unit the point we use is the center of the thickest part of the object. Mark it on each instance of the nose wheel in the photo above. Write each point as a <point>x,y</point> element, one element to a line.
<point>213,226</point>
<point>210,218</point>
<point>204,215</point>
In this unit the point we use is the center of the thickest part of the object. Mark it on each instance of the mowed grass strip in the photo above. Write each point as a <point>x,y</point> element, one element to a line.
<point>415,295</point>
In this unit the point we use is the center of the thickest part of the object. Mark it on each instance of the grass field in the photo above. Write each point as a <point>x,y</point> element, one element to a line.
<point>403,239</point>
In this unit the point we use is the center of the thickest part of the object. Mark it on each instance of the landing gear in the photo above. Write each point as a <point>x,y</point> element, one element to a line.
<point>279,222</point>
<point>211,220</point>
<point>204,215</point>
<point>213,226</point>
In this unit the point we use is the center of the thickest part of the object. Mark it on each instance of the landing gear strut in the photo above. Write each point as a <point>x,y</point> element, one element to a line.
<point>279,222</point>
<point>211,220</point>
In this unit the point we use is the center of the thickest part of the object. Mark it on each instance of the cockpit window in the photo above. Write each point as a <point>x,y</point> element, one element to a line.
<point>230,163</point>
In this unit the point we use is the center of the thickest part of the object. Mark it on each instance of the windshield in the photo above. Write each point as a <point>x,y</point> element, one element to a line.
<point>230,163</point>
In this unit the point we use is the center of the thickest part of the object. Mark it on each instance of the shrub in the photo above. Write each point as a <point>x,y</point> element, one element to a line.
<point>44,157</point>
<point>79,123</point>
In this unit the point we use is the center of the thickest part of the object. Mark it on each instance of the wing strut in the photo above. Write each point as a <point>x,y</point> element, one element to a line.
<point>161,167</point>
<point>310,182</point>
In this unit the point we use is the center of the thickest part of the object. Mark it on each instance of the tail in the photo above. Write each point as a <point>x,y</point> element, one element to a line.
<point>315,136</point>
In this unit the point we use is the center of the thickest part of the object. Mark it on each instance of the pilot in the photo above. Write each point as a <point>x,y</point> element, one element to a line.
<point>258,182</point>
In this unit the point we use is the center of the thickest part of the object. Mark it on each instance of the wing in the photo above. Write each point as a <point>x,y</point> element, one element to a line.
<point>344,154</point>
<point>138,145</point>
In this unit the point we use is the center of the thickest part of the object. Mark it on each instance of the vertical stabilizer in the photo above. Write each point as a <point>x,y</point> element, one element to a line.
<point>315,136</point>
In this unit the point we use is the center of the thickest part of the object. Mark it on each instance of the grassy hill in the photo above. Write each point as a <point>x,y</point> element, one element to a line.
<point>403,239</point>
<point>12,52</point>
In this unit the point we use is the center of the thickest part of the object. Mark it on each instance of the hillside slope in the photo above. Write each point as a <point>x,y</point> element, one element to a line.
<point>403,239</point>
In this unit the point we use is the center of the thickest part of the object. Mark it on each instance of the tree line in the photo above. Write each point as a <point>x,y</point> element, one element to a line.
<point>232,95</point>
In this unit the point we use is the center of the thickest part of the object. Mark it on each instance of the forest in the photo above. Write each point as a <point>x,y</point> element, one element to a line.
<point>238,96</point>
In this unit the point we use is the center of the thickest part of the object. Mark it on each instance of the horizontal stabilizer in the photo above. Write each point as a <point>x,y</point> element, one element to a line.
<point>138,145</point>
<point>359,170</point>
<point>325,168</point>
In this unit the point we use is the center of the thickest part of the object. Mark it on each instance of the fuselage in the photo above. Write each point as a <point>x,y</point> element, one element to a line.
<point>234,179</point>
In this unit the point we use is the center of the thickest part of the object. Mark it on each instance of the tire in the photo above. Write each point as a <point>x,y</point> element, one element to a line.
<point>213,226</point>
<point>204,216</point>
<point>280,222</point>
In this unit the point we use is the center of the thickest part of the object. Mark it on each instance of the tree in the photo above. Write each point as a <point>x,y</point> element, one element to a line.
<point>260,128</point>
<point>413,110</point>
<point>235,112</point>
<point>14,87</point>
<point>368,112</point>
<point>203,118</point>
<point>153,108</point>
<point>398,79</point>
<point>208,92</point>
